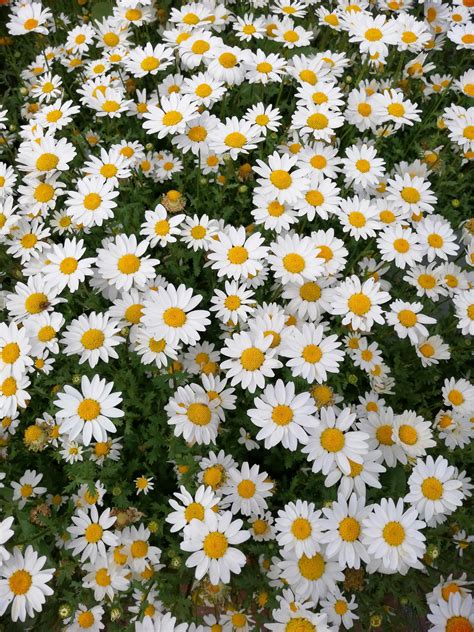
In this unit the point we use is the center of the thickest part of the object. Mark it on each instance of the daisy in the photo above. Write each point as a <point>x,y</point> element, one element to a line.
<point>8,179</point>
<point>112,165</point>
<point>413,434</point>
<point>401,245</point>
<point>380,428</point>
<point>391,106</point>
<point>246,489</point>
<point>290,35</point>
<point>15,349</point>
<point>457,611</point>
<point>459,394</point>
<point>211,544</point>
<point>66,267</point>
<point>5,534</point>
<point>235,255</point>
<point>93,336</point>
<point>8,218</point>
<point>411,195</point>
<point>88,412</point>
<point>24,581</point>
<point>214,469</point>
<point>394,536</point>
<point>39,195</point>
<point>171,116</point>
<point>464,309</point>
<point>169,314</point>
<point>198,48</point>
<point>57,115</point>
<point>199,232</point>
<point>358,217</point>
<point>283,416</point>
<point>298,528</point>
<point>434,489</point>
<point>45,157</point>
<point>293,260</point>
<point>234,137</point>
<point>373,34</point>
<point>187,507</point>
<point>86,618</point>
<point>148,60</point>
<point>362,167</point>
<point>28,239</point>
<point>311,354</point>
<point>91,533</point>
<point>29,18</point>
<point>93,202</point>
<point>251,360</point>
<point>339,609</point>
<point>332,443</point>
<point>310,577</point>
<point>316,122</point>
<point>261,67</point>
<point>153,350</point>
<point>359,303</point>
<point>206,90</point>
<point>13,394</point>
<point>437,238</point>
<point>407,320</point>
<point>235,304</point>
<point>123,264</point>
<point>193,415</point>
<point>27,487</point>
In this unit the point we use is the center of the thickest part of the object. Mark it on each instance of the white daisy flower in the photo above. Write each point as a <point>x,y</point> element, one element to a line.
<point>91,533</point>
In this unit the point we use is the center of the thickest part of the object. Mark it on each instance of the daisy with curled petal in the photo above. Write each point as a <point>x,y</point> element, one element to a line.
<point>431,350</point>
<point>236,255</point>
<point>234,137</point>
<point>197,507</point>
<point>332,443</point>
<point>123,264</point>
<point>171,116</point>
<point>199,232</point>
<point>93,336</point>
<point>311,354</point>
<point>359,303</point>
<point>342,527</point>
<point>283,416</point>
<point>298,528</point>
<point>66,266</point>
<point>136,547</point>
<point>193,415</point>
<point>211,544</point>
<point>24,582</point>
<point>92,202</point>
<point>246,490</point>
<point>393,535</point>
<point>292,259</point>
<point>358,217</point>
<point>413,434</point>
<point>330,249</point>
<point>88,412</point>
<point>152,350</point>
<point>198,48</point>
<point>310,577</point>
<point>90,533</point>
<point>435,491</point>
<point>408,320</point>
<point>272,214</point>
<point>170,313</point>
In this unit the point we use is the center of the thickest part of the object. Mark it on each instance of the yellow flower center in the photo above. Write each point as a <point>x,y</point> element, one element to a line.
<point>317,121</point>
<point>396,109</point>
<point>200,47</point>
<point>102,577</point>
<point>227,60</point>
<point>194,511</point>
<point>238,620</point>
<point>435,241</point>
<point>86,619</point>
<point>68,265</point>
<point>150,63</point>
<point>197,134</point>
<point>294,263</point>
<point>215,545</point>
<point>314,197</point>
<point>459,624</point>
<point>311,568</point>
<point>36,303</point>
<point>364,109</point>
<point>174,317</point>
<point>199,414</point>
<point>53,116</point>
<point>359,304</point>
<point>373,35</point>
<point>20,582</point>
<point>88,409</point>
<point>134,314</point>
<point>407,318</point>
<point>30,24</point>
<point>357,219</point>
<point>10,353</point>
<point>93,533</point>
<point>264,67</point>
<point>92,201</point>
<point>128,264</point>
<point>139,548</point>
<point>432,488</point>
<point>92,339</point>
<point>456,397</point>
<point>246,488</point>
<point>393,533</point>
<point>408,434</point>
<point>332,439</point>
<point>43,192</point>
<point>299,624</point>
<point>312,354</point>
<point>301,528</point>
<point>47,162</point>
<point>349,529</point>
<point>235,139</point>
<point>384,435</point>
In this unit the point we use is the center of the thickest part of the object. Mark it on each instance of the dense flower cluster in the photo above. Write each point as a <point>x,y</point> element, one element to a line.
<point>237,300</point>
